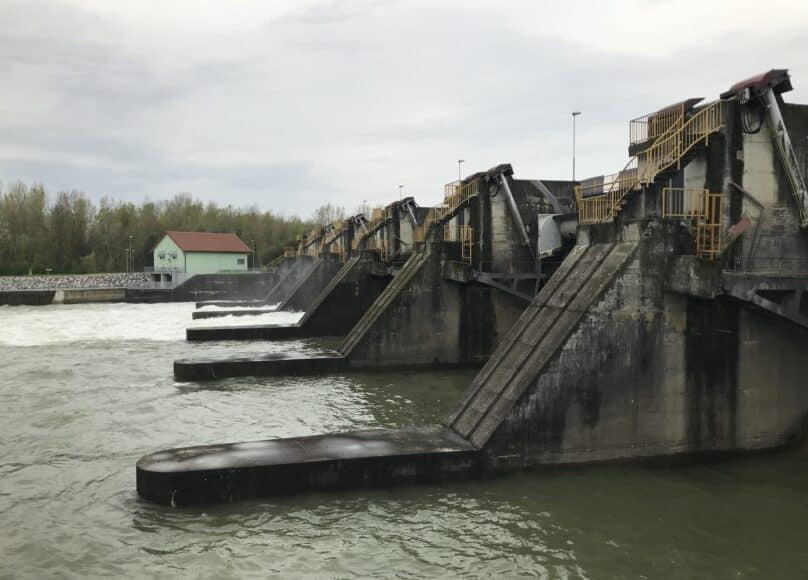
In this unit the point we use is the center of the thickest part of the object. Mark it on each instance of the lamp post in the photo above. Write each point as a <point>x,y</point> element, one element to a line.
<point>460,162</point>
<point>400,187</point>
<point>574,114</point>
<point>130,266</point>
<point>252,247</point>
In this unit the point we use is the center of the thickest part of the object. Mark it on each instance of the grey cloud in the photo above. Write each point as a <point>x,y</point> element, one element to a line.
<point>336,102</point>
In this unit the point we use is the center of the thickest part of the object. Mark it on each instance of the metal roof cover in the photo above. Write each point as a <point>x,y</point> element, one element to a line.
<point>208,242</point>
<point>687,104</point>
<point>776,78</point>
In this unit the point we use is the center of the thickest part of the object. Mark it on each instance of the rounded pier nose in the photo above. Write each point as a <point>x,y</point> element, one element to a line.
<point>339,461</point>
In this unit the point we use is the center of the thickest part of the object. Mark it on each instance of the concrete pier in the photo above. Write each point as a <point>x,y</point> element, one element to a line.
<point>270,364</point>
<point>453,299</point>
<point>675,327</point>
<point>353,460</point>
<point>290,274</point>
<point>333,313</point>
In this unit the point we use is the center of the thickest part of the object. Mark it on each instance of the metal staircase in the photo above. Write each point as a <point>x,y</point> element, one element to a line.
<point>602,201</point>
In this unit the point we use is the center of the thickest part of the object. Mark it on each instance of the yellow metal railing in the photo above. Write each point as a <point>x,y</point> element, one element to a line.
<point>656,124</point>
<point>601,200</point>
<point>466,243</point>
<point>683,202</point>
<point>704,209</point>
<point>456,194</point>
<point>708,233</point>
<point>464,235</point>
<point>671,147</point>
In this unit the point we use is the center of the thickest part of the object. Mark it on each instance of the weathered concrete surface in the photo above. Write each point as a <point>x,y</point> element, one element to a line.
<point>644,373</point>
<point>437,313</point>
<point>26,297</point>
<point>62,296</point>
<point>267,365</point>
<point>541,331</point>
<point>272,293</point>
<point>360,459</point>
<point>335,311</point>
<point>86,295</point>
<point>622,357</point>
<point>248,285</point>
<point>692,276</point>
<point>420,320</point>
<point>284,279</point>
<point>427,320</point>
<point>309,289</point>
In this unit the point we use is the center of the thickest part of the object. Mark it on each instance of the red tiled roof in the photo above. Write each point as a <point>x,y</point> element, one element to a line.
<point>208,242</point>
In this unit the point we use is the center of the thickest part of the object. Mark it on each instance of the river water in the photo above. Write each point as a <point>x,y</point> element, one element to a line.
<point>86,390</point>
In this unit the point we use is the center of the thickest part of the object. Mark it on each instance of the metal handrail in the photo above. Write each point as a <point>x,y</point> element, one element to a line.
<point>455,194</point>
<point>655,125</point>
<point>704,209</point>
<point>601,202</point>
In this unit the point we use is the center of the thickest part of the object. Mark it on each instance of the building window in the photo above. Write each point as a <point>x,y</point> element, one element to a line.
<point>240,261</point>
<point>162,255</point>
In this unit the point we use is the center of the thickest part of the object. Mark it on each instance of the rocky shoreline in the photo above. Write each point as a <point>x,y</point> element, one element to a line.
<point>73,281</point>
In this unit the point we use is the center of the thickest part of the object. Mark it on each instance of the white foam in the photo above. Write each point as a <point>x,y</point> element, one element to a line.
<point>279,317</point>
<point>40,325</point>
<point>118,322</point>
<point>210,307</point>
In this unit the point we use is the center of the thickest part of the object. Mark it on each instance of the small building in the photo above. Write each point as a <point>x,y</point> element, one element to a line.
<point>180,255</point>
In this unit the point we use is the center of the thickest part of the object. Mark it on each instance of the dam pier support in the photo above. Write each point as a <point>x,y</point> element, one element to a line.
<point>467,274</point>
<point>676,324</point>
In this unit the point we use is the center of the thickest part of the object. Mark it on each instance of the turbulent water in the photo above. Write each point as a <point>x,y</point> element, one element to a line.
<point>85,390</point>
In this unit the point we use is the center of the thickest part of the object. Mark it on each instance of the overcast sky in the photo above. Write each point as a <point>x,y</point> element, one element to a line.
<point>290,105</point>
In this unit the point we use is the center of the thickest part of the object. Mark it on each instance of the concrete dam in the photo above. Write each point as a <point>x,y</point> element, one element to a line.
<point>659,311</point>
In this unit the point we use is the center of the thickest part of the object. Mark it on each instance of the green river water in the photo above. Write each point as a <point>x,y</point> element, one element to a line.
<point>86,390</point>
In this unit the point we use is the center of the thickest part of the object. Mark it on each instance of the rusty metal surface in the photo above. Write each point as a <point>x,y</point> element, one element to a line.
<point>776,78</point>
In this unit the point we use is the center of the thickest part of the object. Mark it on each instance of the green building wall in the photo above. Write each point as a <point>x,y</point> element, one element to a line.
<point>212,262</point>
<point>168,256</point>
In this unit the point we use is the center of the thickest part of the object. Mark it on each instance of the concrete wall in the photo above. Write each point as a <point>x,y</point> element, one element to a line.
<point>84,295</point>
<point>436,322</point>
<point>244,286</point>
<point>26,297</point>
<point>292,271</point>
<point>312,284</point>
<point>348,300</point>
<point>650,373</point>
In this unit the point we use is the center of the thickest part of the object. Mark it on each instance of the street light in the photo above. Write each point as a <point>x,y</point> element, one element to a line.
<point>574,114</point>
<point>400,187</point>
<point>460,162</point>
<point>130,264</point>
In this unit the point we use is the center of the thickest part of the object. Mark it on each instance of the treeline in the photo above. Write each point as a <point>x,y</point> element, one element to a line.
<point>69,234</point>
